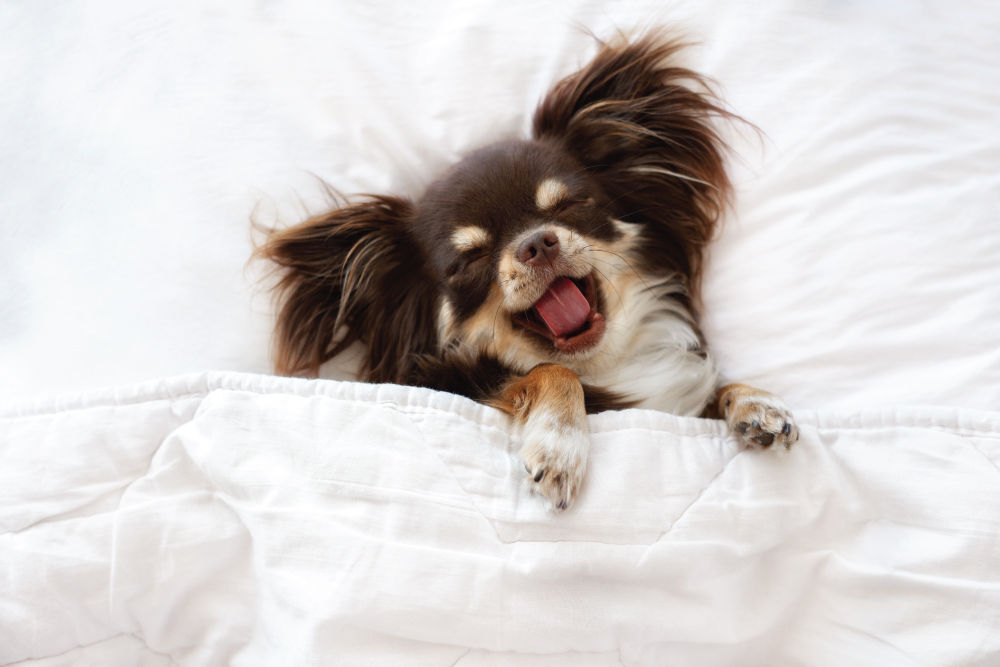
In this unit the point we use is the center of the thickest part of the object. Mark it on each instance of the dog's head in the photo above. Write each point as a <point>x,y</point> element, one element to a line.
<point>529,250</point>
<point>519,237</point>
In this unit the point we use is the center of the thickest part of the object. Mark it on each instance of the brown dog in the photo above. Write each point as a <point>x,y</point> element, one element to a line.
<point>549,277</point>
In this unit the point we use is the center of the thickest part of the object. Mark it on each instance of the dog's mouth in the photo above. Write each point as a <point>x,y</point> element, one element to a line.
<point>566,315</point>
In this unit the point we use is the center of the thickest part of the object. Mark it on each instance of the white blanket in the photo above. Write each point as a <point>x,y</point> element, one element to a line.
<point>248,520</point>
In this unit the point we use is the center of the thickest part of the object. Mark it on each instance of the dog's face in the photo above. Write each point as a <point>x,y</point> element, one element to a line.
<point>526,251</point>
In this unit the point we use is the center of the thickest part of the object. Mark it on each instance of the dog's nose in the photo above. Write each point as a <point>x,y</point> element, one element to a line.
<point>539,249</point>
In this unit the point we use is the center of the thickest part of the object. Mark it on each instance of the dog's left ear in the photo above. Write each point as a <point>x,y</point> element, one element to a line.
<point>644,128</point>
<point>352,274</point>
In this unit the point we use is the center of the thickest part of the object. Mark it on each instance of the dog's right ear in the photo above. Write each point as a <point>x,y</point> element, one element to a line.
<point>352,274</point>
<point>644,127</point>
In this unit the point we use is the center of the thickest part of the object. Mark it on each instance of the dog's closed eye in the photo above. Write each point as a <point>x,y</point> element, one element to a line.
<point>468,262</point>
<point>570,203</point>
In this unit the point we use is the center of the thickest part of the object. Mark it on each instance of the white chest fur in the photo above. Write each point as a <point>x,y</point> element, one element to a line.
<point>652,352</point>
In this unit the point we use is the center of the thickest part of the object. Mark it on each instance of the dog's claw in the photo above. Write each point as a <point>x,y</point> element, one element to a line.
<point>556,468</point>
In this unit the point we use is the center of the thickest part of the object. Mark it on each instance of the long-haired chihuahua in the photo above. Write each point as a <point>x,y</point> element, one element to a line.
<point>548,277</point>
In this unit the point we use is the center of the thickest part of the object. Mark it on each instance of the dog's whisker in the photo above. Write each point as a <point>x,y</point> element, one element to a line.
<point>638,274</point>
<point>611,284</point>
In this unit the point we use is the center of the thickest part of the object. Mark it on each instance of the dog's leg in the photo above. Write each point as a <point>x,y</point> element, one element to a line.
<point>548,403</point>
<point>757,418</point>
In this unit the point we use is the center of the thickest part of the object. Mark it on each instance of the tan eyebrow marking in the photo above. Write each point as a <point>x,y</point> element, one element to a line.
<point>628,231</point>
<point>549,193</point>
<point>470,237</point>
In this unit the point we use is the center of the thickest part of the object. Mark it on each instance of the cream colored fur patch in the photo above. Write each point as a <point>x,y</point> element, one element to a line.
<point>470,237</point>
<point>549,193</point>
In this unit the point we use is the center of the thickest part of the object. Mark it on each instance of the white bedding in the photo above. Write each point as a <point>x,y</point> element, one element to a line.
<point>238,518</point>
<point>250,520</point>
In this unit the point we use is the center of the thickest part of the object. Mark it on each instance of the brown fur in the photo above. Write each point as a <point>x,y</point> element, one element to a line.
<point>556,386</point>
<point>334,268</point>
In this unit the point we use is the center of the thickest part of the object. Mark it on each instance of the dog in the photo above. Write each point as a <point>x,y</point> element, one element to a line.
<point>549,277</point>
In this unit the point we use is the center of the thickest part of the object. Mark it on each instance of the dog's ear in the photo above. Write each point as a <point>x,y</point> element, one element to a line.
<point>644,128</point>
<point>352,274</point>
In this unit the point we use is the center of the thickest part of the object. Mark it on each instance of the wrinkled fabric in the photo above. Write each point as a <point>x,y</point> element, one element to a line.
<point>238,519</point>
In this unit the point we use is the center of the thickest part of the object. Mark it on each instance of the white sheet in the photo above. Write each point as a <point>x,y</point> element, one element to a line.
<point>248,520</point>
<point>860,268</point>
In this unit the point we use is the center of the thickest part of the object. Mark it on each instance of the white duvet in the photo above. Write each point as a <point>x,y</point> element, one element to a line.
<point>247,520</point>
<point>233,518</point>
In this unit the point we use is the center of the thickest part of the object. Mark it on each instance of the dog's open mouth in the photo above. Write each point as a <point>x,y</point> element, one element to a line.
<point>566,315</point>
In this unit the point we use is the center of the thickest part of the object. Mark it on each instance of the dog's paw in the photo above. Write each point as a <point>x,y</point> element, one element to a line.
<point>548,405</point>
<point>757,418</point>
<point>555,457</point>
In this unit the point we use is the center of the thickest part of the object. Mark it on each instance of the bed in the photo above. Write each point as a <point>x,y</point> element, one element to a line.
<point>164,500</point>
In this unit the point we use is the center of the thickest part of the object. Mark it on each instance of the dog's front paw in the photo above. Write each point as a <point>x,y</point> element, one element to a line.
<point>757,418</point>
<point>555,457</point>
<point>548,404</point>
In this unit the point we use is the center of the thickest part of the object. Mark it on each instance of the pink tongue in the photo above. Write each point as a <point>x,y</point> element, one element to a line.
<point>563,307</point>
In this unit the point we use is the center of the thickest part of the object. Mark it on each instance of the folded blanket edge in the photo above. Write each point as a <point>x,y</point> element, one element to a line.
<point>200,384</point>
